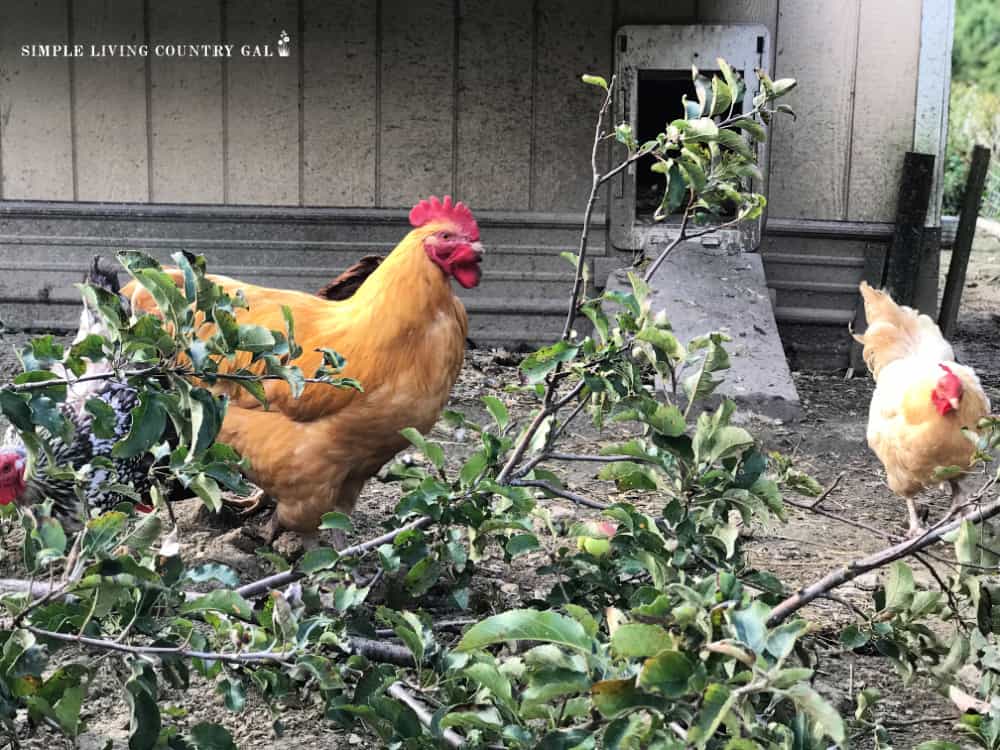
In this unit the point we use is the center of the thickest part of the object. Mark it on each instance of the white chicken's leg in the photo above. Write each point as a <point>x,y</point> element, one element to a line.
<point>916,527</point>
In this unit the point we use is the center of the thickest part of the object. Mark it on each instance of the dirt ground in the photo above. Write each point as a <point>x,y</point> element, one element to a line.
<point>828,441</point>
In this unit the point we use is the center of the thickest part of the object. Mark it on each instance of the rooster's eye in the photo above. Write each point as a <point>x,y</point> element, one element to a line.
<point>446,235</point>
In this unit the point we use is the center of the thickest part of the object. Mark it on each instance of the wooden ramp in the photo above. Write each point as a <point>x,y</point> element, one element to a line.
<point>703,290</point>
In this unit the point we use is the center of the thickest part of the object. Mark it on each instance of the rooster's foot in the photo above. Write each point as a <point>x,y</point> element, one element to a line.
<point>247,506</point>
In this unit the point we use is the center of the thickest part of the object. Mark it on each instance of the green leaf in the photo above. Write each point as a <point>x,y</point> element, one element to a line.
<point>253,338</point>
<point>593,80</point>
<point>751,625</point>
<point>208,736</point>
<point>540,363</point>
<point>67,709</point>
<point>899,588</point>
<point>722,96</point>
<point>489,677</point>
<point>667,420</point>
<point>227,602</point>
<point>781,640</point>
<point>318,558</point>
<point>669,673</point>
<point>102,532</point>
<point>639,640</point>
<point>821,712</point>
<point>675,195</point>
<point>336,520</point>
<point>735,142</point>
<point>233,694</point>
<point>612,697</point>
<point>103,418</point>
<point>628,476</point>
<point>149,419</point>
<point>753,128</point>
<point>498,411</point>
<point>472,468</point>
<point>716,703</point>
<point>433,452</point>
<point>213,572</point>
<point>422,576</point>
<point>144,721</point>
<point>526,625</point>
<point>701,130</point>
<point>852,637</point>
<point>521,544</point>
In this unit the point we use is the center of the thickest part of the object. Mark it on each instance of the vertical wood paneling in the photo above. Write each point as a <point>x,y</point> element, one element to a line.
<point>884,106</point>
<point>494,104</point>
<point>654,12</point>
<point>110,101</point>
<point>339,103</point>
<point>263,104</point>
<point>738,11</point>
<point>573,37</point>
<point>417,100</point>
<point>816,44</point>
<point>35,103</point>
<point>186,105</point>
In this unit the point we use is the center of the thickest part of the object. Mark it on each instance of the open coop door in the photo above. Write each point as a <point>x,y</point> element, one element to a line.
<point>653,67</point>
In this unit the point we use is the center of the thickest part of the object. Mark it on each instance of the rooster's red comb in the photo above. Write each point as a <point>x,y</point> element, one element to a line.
<point>458,213</point>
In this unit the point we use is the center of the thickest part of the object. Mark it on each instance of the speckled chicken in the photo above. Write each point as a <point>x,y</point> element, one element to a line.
<point>17,485</point>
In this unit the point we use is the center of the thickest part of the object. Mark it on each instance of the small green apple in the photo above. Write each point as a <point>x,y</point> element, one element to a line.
<point>597,541</point>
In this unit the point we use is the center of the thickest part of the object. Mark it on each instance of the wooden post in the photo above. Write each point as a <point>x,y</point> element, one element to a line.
<point>907,239</point>
<point>960,251</point>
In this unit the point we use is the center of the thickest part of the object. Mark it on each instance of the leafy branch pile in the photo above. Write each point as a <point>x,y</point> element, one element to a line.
<point>652,631</point>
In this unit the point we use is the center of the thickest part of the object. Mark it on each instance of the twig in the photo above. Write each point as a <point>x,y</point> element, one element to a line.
<point>265,585</point>
<point>856,568</point>
<point>681,236</point>
<point>120,375</point>
<point>945,589</point>
<point>845,603</point>
<point>835,517</point>
<point>594,459</point>
<point>595,185</point>
<point>826,493</point>
<point>400,693</point>
<point>551,488</point>
<point>245,657</point>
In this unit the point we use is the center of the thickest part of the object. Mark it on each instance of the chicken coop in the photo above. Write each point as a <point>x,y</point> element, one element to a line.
<point>285,139</point>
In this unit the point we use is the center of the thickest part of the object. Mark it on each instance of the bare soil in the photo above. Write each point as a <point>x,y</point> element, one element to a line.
<point>830,440</point>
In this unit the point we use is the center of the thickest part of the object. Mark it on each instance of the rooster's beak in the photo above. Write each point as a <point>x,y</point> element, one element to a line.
<point>954,403</point>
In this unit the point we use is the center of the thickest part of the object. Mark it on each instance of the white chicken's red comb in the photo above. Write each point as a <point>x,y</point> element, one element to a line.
<point>433,209</point>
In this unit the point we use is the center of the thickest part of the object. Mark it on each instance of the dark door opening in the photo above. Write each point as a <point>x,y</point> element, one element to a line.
<point>658,102</point>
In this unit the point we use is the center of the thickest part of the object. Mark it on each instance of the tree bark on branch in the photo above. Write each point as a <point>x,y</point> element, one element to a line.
<point>852,570</point>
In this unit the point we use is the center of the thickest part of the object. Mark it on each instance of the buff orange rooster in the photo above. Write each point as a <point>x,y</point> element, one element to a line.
<point>923,399</point>
<point>402,332</point>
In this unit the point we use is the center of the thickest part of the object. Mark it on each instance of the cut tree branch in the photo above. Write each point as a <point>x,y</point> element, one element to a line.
<point>246,657</point>
<point>400,693</point>
<point>566,494</point>
<point>852,570</point>
<point>264,585</point>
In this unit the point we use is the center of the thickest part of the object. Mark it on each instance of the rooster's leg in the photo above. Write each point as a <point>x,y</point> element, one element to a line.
<point>247,505</point>
<point>958,499</point>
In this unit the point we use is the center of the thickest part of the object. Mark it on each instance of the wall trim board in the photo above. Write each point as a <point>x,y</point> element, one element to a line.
<point>11,209</point>
<point>824,229</point>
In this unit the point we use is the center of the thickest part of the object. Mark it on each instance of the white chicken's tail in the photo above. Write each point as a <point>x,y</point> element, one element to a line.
<point>896,331</point>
